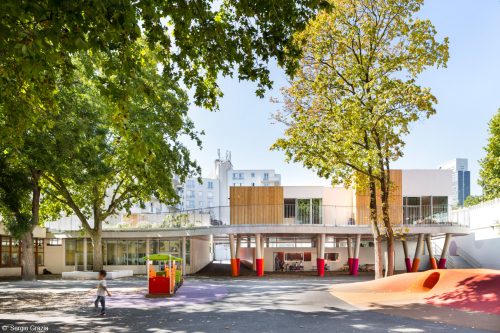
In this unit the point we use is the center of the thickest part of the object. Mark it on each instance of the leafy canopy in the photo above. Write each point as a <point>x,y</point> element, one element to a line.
<point>110,165</point>
<point>355,94</point>
<point>490,164</point>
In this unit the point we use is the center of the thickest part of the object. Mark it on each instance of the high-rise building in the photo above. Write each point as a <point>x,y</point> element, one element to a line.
<point>461,179</point>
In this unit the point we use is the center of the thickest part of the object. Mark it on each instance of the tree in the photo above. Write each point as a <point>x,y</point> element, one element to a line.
<point>355,94</point>
<point>197,41</point>
<point>19,199</point>
<point>490,164</point>
<point>107,171</point>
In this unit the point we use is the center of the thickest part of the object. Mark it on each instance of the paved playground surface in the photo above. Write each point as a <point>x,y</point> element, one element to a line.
<point>214,304</point>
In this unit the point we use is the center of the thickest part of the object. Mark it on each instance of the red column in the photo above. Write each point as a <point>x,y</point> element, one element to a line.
<point>259,262</point>
<point>408,265</point>
<point>355,265</point>
<point>234,267</point>
<point>238,265</point>
<point>349,263</point>
<point>433,263</point>
<point>321,266</point>
<point>416,263</point>
<point>442,263</point>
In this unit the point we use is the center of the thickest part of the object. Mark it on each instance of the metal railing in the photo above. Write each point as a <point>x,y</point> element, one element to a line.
<point>289,214</point>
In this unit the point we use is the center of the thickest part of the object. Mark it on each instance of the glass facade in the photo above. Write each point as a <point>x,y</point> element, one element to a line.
<point>303,211</point>
<point>10,251</point>
<point>425,210</point>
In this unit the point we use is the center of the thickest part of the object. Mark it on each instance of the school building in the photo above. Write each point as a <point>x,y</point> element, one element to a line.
<point>267,228</point>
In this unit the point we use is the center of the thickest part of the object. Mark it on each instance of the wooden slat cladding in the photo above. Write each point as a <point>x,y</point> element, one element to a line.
<point>395,202</point>
<point>256,205</point>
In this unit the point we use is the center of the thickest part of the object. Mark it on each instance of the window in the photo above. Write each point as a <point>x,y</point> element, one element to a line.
<point>210,203</point>
<point>5,251</point>
<point>238,175</point>
<point>111,252</point>
<point>200,204</point>
<point>54,242</point>
<point>190,194</point>
<point>210,195</point>
<point>266,176</point>
<point>69,251</point>
<point>132,252</point>
<point>200,193</point>
<point>190,204</point>
<point>210,185</point>
<point>16,252</point>
<point>190,183</point>
<point>141,252</point>
<point>332,256</point>
<point>425,209</point>
<point>294,256</point>
<point>252,174</point>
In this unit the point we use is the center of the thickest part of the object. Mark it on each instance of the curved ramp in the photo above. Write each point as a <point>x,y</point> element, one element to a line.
<point>464,289</point>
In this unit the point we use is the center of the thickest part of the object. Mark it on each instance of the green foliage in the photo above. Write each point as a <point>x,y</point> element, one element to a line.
<point>355,94</point>
<point>110,165</point>
<point>15,197</point>
<point>490,164</point>
<point>472,200</point>
<point>197,41</point>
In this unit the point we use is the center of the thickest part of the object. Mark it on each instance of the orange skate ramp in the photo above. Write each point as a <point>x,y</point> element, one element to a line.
<point>463,289</point>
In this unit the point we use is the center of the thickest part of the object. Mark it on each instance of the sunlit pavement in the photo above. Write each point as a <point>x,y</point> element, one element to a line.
<point>201,305</point>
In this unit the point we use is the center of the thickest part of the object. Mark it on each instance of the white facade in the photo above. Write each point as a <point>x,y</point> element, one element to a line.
<point>418,183</point>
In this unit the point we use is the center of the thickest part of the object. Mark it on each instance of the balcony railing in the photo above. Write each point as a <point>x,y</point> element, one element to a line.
<point>289,214</point>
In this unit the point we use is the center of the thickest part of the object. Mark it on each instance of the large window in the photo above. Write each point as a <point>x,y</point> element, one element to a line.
<point>10,251</point>
<point>425,210</point>
<point>332,256</point>
<point>304,211</point>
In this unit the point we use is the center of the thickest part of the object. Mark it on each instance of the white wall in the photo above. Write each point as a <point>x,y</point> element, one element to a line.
<point>483,244</point>
<point>427,182</point>
<point>200,254</point>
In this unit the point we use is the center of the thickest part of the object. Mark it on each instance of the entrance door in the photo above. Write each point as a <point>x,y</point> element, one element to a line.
<point>279,259</point>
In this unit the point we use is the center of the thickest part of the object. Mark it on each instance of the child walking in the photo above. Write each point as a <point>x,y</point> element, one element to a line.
<point>102,290</point>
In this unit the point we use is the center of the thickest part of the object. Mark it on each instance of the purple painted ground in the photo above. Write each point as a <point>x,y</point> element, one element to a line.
<point>190,293</point>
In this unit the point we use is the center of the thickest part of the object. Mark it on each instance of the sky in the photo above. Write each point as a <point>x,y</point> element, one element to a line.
<point>468,93</point>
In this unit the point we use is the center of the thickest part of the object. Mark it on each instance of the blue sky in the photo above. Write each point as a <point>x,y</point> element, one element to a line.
<point>468,91</point>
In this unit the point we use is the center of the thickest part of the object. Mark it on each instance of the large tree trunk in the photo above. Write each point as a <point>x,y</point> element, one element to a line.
<point>375,231</point>
<point>96,237</point>
<point>385,189</point>
<point>28,257</point>
<point>28,263</point>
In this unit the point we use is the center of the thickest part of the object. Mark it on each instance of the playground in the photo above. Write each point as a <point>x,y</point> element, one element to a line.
<point>220,304</point>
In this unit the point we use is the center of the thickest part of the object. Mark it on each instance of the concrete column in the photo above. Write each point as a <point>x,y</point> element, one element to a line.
<point>355,260</point>
<point>232,246</point>
<point>418,251</point>
<point>183,254</point>
<point>432,260</point>
<point>237,253</point>
<point>238,246</point>
<point>407,256</point>
<point>349,254</point>
<point>232,251</point>
<point>263,240</point>
<point>259,263</point>
<point>320,261</point>
<point>84,254</point>
<point>444,252</point>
